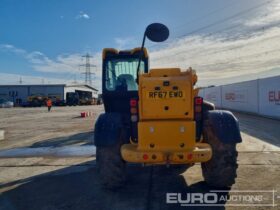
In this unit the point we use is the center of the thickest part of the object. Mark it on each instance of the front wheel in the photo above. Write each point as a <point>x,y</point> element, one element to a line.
<point>220,171</point>
<point>110,165</point>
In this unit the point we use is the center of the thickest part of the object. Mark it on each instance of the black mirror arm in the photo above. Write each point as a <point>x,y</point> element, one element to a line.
<point>140,56</point>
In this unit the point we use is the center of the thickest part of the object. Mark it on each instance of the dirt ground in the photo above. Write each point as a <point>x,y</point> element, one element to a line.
<point>72,183</point>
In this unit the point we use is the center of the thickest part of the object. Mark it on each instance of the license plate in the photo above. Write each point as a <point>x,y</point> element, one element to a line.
<point>165,94</point>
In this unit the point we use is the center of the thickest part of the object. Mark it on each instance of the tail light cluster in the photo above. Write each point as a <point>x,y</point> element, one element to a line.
<point>134,110</point>
<point>198,102</point>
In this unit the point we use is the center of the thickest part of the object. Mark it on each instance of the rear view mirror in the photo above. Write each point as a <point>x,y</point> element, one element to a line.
<point>157,32</point>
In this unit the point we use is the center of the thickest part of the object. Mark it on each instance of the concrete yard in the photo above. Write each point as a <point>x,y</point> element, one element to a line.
<point>72,183</point>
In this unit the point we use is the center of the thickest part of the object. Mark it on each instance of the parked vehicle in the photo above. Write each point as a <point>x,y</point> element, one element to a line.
<point>56,100</point>
<point>99,100</point>
<point>72,99</point>
<point>79,98</point>
<point>36,100</point>
<point>6,104</point>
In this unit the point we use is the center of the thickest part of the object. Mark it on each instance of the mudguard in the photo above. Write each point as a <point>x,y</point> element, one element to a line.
<point>206,107</point>
<point>225,126</point>
<point>107,129</point>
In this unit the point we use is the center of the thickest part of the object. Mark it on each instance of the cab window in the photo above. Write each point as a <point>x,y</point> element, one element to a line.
<point>121,74</point>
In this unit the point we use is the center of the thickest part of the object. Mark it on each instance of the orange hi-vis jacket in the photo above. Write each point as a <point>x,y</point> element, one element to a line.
<point>49,102</point>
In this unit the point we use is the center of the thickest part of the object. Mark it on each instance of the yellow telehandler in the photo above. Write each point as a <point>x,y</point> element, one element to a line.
<point>155,116</point>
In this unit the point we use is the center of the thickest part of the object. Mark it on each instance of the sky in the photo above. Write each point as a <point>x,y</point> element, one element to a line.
<point>224,41</point>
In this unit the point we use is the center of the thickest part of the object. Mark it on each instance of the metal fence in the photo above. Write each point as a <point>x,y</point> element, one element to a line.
<point>260,96</point>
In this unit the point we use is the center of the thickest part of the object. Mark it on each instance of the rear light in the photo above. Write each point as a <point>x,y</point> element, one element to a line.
<point>189,156</point>
<point>198,102</point>
<point>133,102</point>
<point>133,110</point>
<point>145,157</point>
<point>197,109</point>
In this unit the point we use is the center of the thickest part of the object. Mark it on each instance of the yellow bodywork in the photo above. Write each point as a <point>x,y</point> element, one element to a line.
<point>166,135</point>
<point>114,51</point>
<point>166,127</point>
<point>169,102</point>
<point>201,153</point>
<point>37,97</point>
<point>166,142</point>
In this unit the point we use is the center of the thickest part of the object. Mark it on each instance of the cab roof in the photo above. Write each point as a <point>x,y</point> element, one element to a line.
<point>112,51</point>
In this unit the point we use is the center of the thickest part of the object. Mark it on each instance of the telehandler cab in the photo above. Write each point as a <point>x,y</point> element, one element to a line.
<point>155,116</point>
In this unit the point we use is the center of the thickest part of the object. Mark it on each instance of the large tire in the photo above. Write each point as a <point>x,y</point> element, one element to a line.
<point>110,166</point>
<point>220,171</point>
<point>177,169</point>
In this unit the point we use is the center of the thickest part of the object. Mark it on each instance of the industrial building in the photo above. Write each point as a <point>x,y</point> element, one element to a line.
<point>19,93</point>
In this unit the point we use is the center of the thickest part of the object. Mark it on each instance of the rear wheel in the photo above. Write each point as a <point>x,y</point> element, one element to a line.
<point>220,171</point>
<point>111,166</point>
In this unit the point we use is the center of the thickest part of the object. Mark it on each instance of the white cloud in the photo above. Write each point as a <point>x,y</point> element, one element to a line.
<point>82,15</point>
<point>11,48</point>
<point>7,79</point>
<point>219,59</point>
<point>125,43</point>
<point>246,52</point>
<point>67,65</point>
<point>249,51</point>
<point>269,15</point>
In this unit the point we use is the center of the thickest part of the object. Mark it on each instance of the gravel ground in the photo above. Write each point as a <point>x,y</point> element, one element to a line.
<point>71,183</point>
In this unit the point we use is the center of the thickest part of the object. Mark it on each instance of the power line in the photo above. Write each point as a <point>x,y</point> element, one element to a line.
<point>234,59</point>
<point>68,76</point>
<point>226,19</point>
<point>206,15</point>
<point>244,12</point>
<point>211,52</point>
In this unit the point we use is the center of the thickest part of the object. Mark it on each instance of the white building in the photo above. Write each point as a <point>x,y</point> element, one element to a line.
<point>19,93</point>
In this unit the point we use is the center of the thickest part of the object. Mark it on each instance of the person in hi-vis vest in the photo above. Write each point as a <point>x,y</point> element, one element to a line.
<point>49,104</point>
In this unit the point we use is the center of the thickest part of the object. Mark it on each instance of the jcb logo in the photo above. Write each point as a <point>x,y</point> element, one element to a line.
<point>274,96</point>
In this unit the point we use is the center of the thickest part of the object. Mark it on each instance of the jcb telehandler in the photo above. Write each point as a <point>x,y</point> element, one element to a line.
<point>155,116</point>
